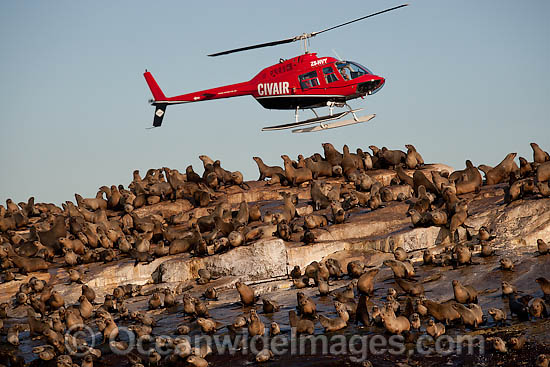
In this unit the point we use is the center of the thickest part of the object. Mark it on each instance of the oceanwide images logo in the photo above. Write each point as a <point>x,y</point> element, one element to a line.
<point>357,347</point>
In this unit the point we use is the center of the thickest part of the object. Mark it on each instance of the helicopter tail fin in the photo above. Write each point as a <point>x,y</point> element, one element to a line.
<point>155,89</point>
<point>158,95</point>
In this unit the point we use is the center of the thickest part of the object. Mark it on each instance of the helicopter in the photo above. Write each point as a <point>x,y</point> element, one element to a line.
<point>303,82</point>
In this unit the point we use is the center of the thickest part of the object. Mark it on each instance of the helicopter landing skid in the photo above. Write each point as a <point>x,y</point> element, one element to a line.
<point>336,124</point>
<point>314,120</point>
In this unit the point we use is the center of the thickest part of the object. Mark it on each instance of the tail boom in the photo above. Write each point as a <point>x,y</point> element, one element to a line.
<point>160,101</point>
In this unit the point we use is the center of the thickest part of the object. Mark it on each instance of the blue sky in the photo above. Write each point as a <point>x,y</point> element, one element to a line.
<point>464,80</point>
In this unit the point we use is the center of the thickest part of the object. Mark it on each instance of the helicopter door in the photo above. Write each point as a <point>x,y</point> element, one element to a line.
<point>308,80</point>
<point>330,74</point>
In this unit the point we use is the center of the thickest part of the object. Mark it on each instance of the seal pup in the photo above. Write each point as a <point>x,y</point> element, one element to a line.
<point>255,326</point>
<point>498,344</point>
<point>306,306</point>
<point>274,329</point>
<point>543,360</point>
<point>296,273</point>
<point>264,355</point>
<point>301,325</point>
<point>498,315</point>
<point>518,342</point>
<point>435,329</point>
<point>415,321</point>
<point>506,264</point>
<point>538,308</point>
<point>393,324</point>
<point>207,325</point>
<point>400,254</point>
<point>507,288</point>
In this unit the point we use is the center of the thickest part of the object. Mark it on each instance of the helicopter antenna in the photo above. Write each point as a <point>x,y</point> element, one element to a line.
<point>304,36</point>
<point>337,56</point>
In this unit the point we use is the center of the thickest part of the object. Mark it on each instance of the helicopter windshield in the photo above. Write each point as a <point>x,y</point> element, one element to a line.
<point>351,70</point>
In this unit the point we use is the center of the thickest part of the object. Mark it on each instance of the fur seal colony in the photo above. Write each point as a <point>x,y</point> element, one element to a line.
<point>469,282</point>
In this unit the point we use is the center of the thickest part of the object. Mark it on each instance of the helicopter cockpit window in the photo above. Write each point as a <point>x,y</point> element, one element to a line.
<point>330,74</point>
<point>350,70</point>
<point>308,80</point>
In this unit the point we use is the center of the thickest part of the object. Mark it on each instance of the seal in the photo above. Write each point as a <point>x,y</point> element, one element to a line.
<point>401,269</point>
<point>498,344</point>
<point>255,326</point>
<point>365,283</point>
<point>415,321</point>
<point>498,315</point>
<point>306,305</point>
<point>334,268</point>
<point>435,329</point>
<point>464,294</point>
<point>302,326</point>
<point>337,323</point>
<point>507,288</point>
<point>417,156</point>
<point>348,163</point>
<point>506,264</point>
<point>538,308</point>
<point>542,247</point>
<point>319,168</point>
<point>543,172</point>
<point>413,289</point>
<point>274,329</point>
<point>517,342</point>
<point>333,156</point>
<point>393,324</point>
<point>267,171</point>
<point>471,315</point>
<point>400,254</point>
<point>362,312</point>
<point>544,285</point>
<point>355,268</point>
<point>502,171</point>
<point>441,311</point>
<point>296,176</point>
<point>264,355</point>
<point>270,306</point>
<point>393,157</point>
<point>246,293</point>
<point>207,325</point>
<point>539,155</point>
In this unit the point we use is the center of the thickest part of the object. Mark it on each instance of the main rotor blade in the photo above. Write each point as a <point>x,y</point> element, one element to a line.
<point>358,19</point>
<point>267,44</point>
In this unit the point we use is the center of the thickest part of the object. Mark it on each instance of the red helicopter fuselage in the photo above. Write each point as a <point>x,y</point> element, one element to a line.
<point>305,81</point>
